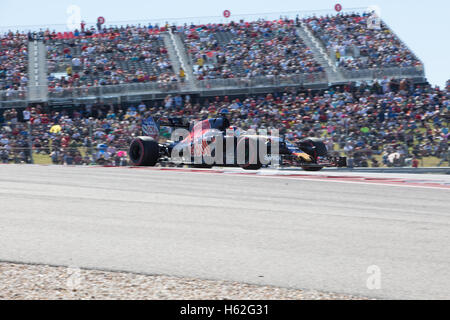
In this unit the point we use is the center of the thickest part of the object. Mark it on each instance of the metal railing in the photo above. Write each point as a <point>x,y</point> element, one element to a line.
<point>264,81</point>
<point>13,95</point>
<point>397,72</point>
<point>23,94</point>
<point>63,155</point>
<point>173,87</point>
<point>116,90</point>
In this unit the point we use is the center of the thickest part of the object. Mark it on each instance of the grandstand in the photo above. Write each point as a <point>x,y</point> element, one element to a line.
<point>239,57</point>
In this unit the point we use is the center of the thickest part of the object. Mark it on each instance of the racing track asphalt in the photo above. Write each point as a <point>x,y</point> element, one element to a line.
<point>291,232</point>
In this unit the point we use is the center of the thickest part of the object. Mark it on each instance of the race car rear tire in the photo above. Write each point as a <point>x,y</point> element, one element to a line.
<point>312,168</point>
<point>251,158</point>
<point>144,151</point>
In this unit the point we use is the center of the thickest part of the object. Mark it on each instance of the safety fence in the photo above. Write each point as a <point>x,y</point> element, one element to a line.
<point>118,156</point>
<point>98,155</point>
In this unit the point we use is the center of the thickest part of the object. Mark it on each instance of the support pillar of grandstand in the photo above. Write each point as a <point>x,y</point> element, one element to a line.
<point>320,54</point>
<point>37,72</point>
<point>183,59</point>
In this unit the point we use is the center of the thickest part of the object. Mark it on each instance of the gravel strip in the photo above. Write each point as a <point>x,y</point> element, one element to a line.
<point>25,281</point>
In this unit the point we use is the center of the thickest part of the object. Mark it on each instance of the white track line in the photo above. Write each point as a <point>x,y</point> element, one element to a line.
<point>299,178</point>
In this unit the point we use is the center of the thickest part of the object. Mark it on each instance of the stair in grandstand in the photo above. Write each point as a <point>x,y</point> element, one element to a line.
<point>171,51</point>
<point>320,54</point>
<point>37,71</point>
<point>182,58</point>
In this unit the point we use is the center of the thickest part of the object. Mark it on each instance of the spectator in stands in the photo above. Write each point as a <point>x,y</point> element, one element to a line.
<point>182,75</point>
<point>13,63</point>
<point>130,54</point>
<point>248,49</point>
<point>357,46</point>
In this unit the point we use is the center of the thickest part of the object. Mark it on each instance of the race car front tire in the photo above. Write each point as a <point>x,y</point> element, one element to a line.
<point>144,151</point>
<point>251,157</point>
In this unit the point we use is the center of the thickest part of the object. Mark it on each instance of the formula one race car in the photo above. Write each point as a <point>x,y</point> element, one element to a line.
<point>213,142</point>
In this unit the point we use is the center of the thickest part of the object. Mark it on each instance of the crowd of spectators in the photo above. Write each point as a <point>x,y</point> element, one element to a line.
<point>109,56</point>
<point>357,45</point>
<point>248,49</point>
<point>13,63</point>
<point>387,123</point>
<point>112,55</point>
<point>84,137</point>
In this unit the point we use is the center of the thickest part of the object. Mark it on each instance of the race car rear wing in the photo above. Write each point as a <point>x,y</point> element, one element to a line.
<point>173,122</point>
<point>151,126</point>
